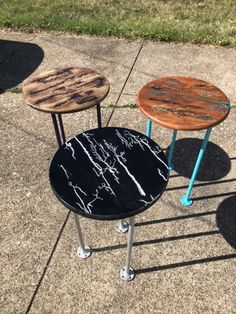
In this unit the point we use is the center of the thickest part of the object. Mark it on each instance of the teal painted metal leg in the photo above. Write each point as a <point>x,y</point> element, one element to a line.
<point>185,199</point>
<point>170,156</point>
<point>149,128</point>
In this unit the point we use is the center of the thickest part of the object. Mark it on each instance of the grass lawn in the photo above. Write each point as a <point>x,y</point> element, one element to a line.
<point>206,21</point>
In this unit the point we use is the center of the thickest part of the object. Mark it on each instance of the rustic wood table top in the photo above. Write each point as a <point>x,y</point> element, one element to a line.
<point>65,90</point>
<point>183,103</point>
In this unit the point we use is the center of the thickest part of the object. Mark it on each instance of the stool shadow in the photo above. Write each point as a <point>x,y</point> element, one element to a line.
<point>17,60</point>
<point>156,241</point>
<point>215,165</point>
<point>186,263</point>
<point>170,239</point>
<point>226,220</point>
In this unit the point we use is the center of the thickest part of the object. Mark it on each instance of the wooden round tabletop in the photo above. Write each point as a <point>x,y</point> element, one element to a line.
<point>183,103</point>
<point>65,90</point>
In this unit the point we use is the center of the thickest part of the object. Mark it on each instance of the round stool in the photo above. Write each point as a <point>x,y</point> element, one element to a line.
<point>183,103</point>
<point>65,90</point>
<point>109,174</point>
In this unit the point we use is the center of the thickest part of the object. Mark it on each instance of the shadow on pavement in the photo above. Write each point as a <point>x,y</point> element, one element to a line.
<point>17,61</point>
<point>215,165</point>
<point>185,263</point>
<point>183,187</point>
<point>226,220</point>
<point>169,219</point>
<point>156,241</point>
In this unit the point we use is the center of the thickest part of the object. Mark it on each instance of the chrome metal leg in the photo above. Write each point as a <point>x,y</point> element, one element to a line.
<point>83,250</point>
<point>127,273</point>
<point>185,199</point>
<point>170,156</point>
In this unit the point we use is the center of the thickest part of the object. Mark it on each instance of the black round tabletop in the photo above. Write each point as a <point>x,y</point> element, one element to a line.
<point>109,173</point>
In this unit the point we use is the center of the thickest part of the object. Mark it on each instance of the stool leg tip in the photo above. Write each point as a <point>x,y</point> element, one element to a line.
<point>186,201</point>
<point>171,166</point>
<point>122,226</point>
<point>127,274</point>
<point>84,252</point>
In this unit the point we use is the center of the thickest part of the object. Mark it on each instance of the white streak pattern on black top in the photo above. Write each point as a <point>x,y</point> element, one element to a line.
<point>130,139</point>
<point>105,158</point>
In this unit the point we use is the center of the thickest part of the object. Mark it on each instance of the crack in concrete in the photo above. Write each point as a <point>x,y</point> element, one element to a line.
<point>47,264</point>
<point>128,76</point>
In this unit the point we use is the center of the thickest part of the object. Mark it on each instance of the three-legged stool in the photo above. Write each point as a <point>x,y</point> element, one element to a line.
<point>187,104</point>
<point>109,174</point>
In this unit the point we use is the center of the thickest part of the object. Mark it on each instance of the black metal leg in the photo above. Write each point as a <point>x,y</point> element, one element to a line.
<point>55,124</point>
<point>59,128</point>
<point>99,116</point>
<point>63,137</point>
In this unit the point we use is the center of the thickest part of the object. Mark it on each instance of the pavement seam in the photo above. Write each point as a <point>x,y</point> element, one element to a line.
<point>47,264</point>
<point>127,78</point>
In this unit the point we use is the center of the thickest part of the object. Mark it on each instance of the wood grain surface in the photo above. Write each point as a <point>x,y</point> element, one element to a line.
<point>65,90</point>
<point>183,103</point>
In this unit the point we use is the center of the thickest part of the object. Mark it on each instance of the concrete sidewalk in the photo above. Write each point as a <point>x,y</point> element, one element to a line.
<point>184,257</point>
